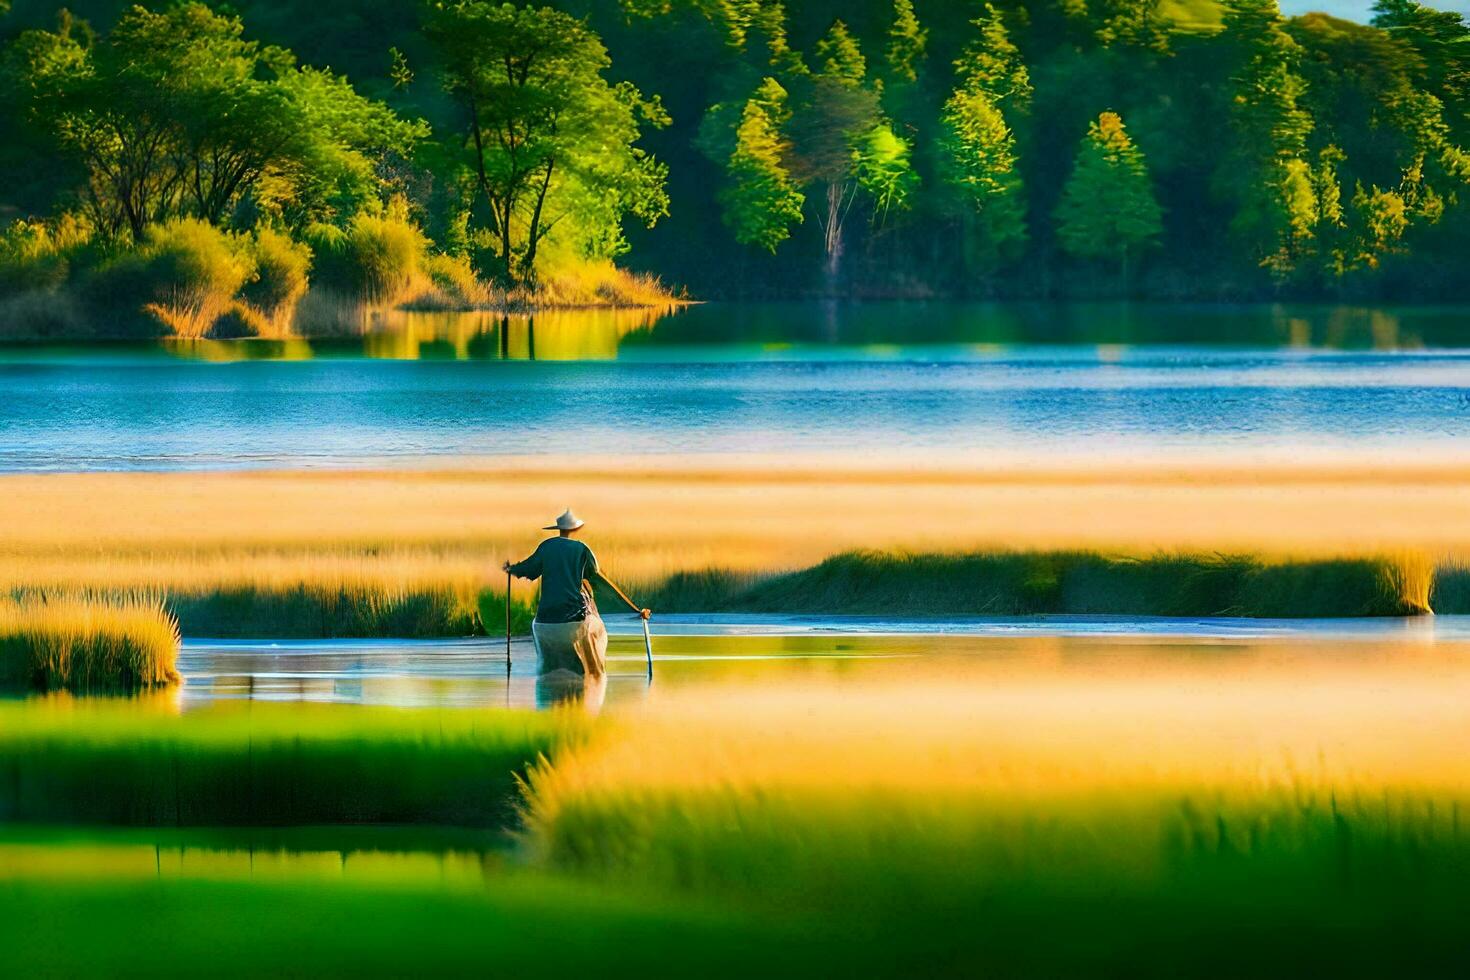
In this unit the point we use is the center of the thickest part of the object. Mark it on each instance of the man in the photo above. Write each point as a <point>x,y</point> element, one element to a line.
<point>567,630</point>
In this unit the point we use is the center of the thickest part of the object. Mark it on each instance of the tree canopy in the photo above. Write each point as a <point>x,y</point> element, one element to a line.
<point>771,147</point>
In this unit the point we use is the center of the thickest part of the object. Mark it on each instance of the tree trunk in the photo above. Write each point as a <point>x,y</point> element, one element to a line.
<point>528,266</point>
<point>834,233</point>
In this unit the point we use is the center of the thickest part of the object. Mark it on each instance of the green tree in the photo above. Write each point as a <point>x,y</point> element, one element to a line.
<point>978,159</point>
<point>761,203</point>
<point>839,58</point>
<point>980,167</point>
<point>1265,176</point>
<point>906,43</point>
<point>173,114</point>
<point>991,64</point>
<point>1441,39</point>
<point>551,143</point>
<point>1108,207</point>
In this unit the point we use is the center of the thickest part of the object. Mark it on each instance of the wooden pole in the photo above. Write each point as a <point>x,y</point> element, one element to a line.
<point>507,627</point>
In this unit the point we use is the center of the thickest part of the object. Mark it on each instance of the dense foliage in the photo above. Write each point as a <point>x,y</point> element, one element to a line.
<point>1170,148</point>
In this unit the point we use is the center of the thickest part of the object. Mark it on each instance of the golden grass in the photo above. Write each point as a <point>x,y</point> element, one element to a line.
<point>82,644</point>
<point>648,519</point>
<point>966,778</point>
<point>403,553</point>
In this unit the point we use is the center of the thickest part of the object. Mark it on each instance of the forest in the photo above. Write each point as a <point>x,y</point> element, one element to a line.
<point>208,162</point>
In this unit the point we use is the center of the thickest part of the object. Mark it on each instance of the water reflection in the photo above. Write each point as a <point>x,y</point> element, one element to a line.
<point>695,651</point>
<point>797,330</point>
<point>417,335</point>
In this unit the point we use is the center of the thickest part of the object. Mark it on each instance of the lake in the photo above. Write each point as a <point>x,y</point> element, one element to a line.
<point>943,378</point>
<point>698,650</point>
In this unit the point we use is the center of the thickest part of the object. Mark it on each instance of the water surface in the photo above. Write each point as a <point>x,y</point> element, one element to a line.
<point>700,650</point>
<point>958,379</point>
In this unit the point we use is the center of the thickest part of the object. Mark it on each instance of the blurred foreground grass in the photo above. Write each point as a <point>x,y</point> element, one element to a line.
<point>86,762</point>
<point>1280,815</point>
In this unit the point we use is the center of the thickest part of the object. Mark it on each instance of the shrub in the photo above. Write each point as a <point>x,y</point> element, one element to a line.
<point>377,259</point>
<point>186,275</point>
<point>37,256</point>
<point>281,277</point>
<point>455,283</point>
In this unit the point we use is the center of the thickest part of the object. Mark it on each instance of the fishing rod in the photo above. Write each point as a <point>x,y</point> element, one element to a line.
<point>647,645</point>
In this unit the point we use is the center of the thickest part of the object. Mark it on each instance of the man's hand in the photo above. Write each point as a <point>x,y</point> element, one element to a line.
<point>505,568</point>
<point>645,613</point>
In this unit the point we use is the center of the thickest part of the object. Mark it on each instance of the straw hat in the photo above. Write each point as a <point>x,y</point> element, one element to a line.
<point>566,522</point>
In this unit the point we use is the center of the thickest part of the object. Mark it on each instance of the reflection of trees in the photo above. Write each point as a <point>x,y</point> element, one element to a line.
<point>557,335</point>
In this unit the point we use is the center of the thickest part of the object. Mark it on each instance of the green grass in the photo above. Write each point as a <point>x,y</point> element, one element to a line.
<point>533,925</point>
<point>79,644</point>
<point>523,926</point>
<point>328,611</point>
<point>1032,583</point>
<point>267,765</point>
<point>1178,883</point>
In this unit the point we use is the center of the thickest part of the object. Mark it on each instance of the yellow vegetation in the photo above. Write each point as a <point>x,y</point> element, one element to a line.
<point>81,644</point>
<point>649,518</point>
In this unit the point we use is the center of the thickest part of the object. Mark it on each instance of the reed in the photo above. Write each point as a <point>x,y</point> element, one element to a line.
<point>267,765</point>
<point>327,609</point>
<point>80,644</point>
<point>1066,582</point>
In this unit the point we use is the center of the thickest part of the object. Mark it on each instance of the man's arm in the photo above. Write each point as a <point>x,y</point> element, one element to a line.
<point>529,568</point>
<point>593,571</point>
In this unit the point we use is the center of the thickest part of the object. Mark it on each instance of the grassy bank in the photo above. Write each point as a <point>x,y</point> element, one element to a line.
<point>74,644</point>
<point>262,766</point>
<point>1078,582</point>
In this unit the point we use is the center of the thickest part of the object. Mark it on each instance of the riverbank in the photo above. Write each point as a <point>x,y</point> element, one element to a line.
<point>310,553</point>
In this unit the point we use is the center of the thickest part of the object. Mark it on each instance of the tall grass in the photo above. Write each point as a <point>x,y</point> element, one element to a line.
<point>1029,583</point>
<point>189,273</point>
<point>327,609</point>
<point>1090,821</point>
<point>267,765</point>
<point>317,553</point>
<point>282,268</point>
<point>79,644</point>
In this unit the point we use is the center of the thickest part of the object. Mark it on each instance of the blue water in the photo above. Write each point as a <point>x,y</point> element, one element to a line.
<point>139,408</point>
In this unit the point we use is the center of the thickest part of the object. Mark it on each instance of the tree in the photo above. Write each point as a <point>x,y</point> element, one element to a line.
<point>842,143</point>
<point>1264,175</point>
<point>991,64</point>
<point>550,141</point>
<point>906,43</point>
<point>978,149</point>
<point>1441,39</point>
<point>173,114</point>
<point>1108,207</point>
<point>761,202</point>
<point>980,167</point>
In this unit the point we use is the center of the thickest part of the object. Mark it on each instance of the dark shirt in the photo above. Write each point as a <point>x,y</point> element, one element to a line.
<point>561,564</point>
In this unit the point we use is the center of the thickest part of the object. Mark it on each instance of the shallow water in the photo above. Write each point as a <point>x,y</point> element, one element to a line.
<point>954,378</point>
<point>701,650</point>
